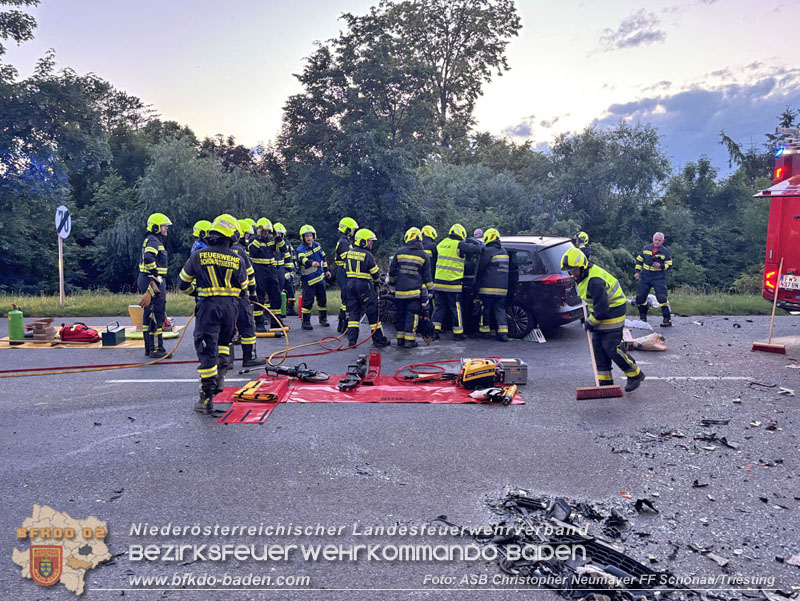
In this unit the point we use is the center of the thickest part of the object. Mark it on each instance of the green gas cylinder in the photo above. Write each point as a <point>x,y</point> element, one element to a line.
<point>283,303</point>
<point>16,329</point>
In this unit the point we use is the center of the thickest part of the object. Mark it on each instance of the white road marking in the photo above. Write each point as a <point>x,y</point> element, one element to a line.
<point>170,380</point>
<point>699,378</point>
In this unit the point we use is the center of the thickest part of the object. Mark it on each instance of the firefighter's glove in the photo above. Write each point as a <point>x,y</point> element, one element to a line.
<point>146,299</point>
<point>589,325</point>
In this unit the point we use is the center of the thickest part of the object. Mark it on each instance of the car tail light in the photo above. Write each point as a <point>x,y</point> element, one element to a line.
<point>556,279</point>
<point>770,278</point>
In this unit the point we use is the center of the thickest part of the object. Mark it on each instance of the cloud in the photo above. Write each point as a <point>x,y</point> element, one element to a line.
<point>689,120</point>
<point>523,129</point>
<point>638,29</point>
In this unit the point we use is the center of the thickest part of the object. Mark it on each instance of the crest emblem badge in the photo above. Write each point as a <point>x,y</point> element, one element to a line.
<point>46,563</point>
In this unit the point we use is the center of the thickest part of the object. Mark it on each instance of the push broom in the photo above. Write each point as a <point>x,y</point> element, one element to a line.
<point>768,347</point>
<point>596,391</point>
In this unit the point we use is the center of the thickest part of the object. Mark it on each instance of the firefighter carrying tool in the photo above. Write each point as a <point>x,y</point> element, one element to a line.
<point>152,286</point>
<point>218,276</point>
<point>360,293</point>
<point>606,306</point>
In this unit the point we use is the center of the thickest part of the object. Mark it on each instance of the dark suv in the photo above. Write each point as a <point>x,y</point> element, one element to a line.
<point>539,293</point>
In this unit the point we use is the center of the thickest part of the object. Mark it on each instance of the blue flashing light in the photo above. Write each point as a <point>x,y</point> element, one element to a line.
<point>780,151</point>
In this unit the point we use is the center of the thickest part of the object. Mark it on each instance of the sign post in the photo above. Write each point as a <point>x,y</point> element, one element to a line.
<point>63,228</point>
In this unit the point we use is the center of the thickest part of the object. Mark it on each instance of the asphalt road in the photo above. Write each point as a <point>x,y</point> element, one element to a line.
<point>126,447</point>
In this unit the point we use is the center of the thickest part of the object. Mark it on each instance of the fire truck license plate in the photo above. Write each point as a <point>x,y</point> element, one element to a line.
<point>790,282</point>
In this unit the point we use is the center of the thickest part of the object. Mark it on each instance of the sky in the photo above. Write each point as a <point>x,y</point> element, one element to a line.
<point>689,67</point>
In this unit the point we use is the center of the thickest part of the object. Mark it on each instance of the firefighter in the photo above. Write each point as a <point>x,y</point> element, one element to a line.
<point>262,255</point>
<point>151,284</point>
<point>410,277</point>
<point>285,267</point>
<point>606,306</point>
<point>362,297</point>
<point>217,276</point>
<point>347,229</point>
<point>652,263</point>
<point>313,273</point>
<point>245,321</point>
<point>448,278</point>
<point>199,231</point>
<point>492,281</point>
<point>250,229</point>
<point>429,236</point>
<point>581,241</point>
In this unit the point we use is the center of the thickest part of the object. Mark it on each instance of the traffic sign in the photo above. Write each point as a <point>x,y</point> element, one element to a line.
<point>63,222</point>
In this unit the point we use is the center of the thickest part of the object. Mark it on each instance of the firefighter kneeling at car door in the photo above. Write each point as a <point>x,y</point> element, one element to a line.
<point>151,285</point>
<point>651,267</point>
<point>606,306</point>
<point>217,275</point>
<point>360,293</point>
<point>410,277</point>
<point>245,320</point>
<point>493,286</point>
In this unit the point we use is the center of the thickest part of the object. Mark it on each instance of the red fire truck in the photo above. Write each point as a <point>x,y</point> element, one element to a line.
<point>783,231</point>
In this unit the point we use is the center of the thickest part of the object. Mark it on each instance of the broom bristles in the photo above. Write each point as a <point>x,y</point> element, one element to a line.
<point>598,392</point>
<point>766,347</point>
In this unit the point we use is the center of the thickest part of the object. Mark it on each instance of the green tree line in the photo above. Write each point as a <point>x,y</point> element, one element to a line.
<point>382,130</point>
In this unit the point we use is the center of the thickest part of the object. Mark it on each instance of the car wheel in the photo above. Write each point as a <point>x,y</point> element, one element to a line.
<point>387,310</point>
<point>520,320</point>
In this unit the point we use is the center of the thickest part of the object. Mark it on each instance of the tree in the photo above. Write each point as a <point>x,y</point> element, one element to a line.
<point>16,25</point>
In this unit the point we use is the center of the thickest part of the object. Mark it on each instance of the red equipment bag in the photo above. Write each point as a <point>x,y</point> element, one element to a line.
<point>78,332</point>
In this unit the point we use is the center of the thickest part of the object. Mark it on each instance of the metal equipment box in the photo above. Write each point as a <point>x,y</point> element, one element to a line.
<point>513,371</point>
<point>114,334</point>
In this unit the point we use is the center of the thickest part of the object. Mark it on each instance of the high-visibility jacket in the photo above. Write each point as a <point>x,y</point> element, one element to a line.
<point>648,256</point>
<point>410,272</point>
<point>248,267</point>
<point>360,264</point>
<point>450,263</point>
<point>342,246</point>
<point>214,271</point>
<point>153,260</point>
<point>493,270</point>
<point>262,251</point>
<point>605,300</point>
<point>305,257</point>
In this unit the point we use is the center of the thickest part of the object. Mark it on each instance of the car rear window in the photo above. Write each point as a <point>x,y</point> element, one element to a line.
<point>551,256</point>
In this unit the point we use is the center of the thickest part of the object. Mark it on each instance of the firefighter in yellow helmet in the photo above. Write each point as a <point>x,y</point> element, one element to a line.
<point>313,273</point>
<point>492,278</point>
<point>217,276</point>
<point>152,284</point>
<point>360,293</point>
<point>410,277</point>
<point>199,231</point>
<point>347,229</point>
<point>245,320</point>
<point>429,236</point>
<point>606,306</point>
<point>285,260</point>
<point>581,241</point>
<point>262,254</point>
<point>448,278</point>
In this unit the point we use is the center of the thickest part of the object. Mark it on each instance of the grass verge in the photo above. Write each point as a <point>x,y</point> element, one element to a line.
<point>106,304</point>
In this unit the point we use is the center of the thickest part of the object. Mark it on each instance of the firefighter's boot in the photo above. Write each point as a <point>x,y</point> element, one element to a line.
<point>159,351</point>
<point>290,310</point>
<point>205,404</point>
<point>379,339</point>
<point>250,358</point>
<point>307,322</point>
<point>323,319</point>
<point>261,324</point>
<point>341,326</point>
<point>633,383</point>
<point>666,316</point>
<point>148,343</point>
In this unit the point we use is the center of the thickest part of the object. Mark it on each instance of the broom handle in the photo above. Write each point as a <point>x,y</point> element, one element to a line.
<point>775,300</point>
<point>591,348</point>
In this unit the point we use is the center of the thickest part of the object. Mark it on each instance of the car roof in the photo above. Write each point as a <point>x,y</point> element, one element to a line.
<point>539,241</point>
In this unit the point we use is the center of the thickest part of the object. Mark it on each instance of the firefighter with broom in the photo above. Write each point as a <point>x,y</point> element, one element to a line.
<point>606,307</point>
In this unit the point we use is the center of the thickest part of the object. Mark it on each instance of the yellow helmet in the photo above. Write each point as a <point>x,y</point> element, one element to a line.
<point>155,221</point>
<point>243,227</point>
<point>581,238</point>
<point>347,225</point>
<point>490,235</point>
<point>251,223</point>
<point>308,229</point>
<point>429,231</point>
<point>412,233</point>
<point>225,224</point>
<point>264,224</point>
<point>280,229</point>
<point>363,236</point>
<point>200,229</point>
<point>574,258</point>
<point>459,231</point>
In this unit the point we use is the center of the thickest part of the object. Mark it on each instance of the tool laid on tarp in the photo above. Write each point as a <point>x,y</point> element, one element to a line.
<point>300,371</point>
<point>768,347</point>
<point>255,391</point>
<point>364,371</point>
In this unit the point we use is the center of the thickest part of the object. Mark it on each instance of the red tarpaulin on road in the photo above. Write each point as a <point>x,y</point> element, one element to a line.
<point>387,389</point>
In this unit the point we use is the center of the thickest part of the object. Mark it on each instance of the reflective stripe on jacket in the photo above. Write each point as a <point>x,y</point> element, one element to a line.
<point>153,260</point>
<point>605,300</point>
<point>493,270</point>
<point>410,271</point>
<point>646,258</point>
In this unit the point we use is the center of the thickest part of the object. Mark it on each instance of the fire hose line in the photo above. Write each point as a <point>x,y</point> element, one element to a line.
<point>53,371</point>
